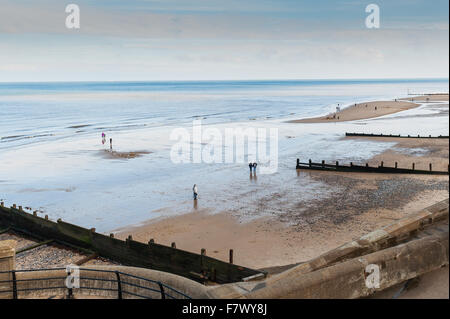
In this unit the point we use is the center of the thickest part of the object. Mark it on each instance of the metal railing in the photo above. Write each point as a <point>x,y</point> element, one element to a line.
<point>120,283</point>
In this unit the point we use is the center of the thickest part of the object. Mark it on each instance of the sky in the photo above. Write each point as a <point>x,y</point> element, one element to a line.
<point>163,40</point>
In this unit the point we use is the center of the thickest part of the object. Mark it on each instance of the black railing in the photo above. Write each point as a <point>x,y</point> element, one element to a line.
<point>120,281</point>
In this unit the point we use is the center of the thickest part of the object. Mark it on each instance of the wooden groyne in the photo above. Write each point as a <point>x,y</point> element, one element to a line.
<point>367,169</point>
<point>393,135</point>
<point>199,267</point>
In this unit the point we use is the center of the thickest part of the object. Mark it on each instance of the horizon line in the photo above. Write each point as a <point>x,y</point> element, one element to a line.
<point>228,80</point>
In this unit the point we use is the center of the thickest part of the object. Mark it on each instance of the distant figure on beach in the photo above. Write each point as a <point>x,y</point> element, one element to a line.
<point>375,108</point>
<point>250,165</point>
<point>195,190</point>
<point>254,167</point>
<point>110,144</point>
<point>103,138</point>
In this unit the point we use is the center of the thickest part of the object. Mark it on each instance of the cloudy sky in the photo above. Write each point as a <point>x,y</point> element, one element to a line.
<point>222,40</point>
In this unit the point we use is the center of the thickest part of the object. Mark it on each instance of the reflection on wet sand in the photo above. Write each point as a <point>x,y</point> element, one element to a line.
<point>122,155</point>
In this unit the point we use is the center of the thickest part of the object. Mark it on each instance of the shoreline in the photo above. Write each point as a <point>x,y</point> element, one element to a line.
<point>359,203</point>
<point>373,109</point>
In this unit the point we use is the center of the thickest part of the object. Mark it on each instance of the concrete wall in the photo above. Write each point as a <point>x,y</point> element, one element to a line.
<point>348,279</point>
<point>340,273</point>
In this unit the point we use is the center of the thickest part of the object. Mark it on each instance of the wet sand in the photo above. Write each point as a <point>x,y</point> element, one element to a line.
<point>107,154</point>
<point>427,98</point>
<point>298,231</point>
<point>267,242</point>
<point>374,109</point>
<point>420,151</point>
<point>362,111</point>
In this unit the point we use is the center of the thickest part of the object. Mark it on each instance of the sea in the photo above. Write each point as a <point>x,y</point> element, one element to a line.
<point>52,158</point>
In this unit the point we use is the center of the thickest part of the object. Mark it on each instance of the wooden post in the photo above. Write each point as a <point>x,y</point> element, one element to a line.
<point>337,163</point>
<point>367,164</point>
<point>413,166</point>
<point>298,163</point>
<point>46,217</point>
<point>351,164</point>
<point>396,164</point>
<point>20,208</point>
<point>34,213</point>
<point>231,256</point>
<point>431,167</point>
<point>382,163</point>
<point>173,245</point>
<point>203,252</point>
<point>323,163</point>
<point>310,163</point>
<point>2,204</point>
<point>14,206</point>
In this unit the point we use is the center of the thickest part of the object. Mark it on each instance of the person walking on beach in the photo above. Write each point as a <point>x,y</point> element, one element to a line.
<point>110,144</point>
<point>250,165</point>
<point>254,167</point>
<point>103,138</point>
<point>195,190</point>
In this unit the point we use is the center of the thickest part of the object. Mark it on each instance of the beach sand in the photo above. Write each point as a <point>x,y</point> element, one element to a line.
<point>427,98</point>
<point>374,109</point>
<point>419,151</point>
<point>362,203</point>
<point>265,243</point>
<point>107,154</point>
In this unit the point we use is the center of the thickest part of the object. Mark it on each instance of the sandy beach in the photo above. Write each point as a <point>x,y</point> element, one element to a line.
<point>360,203</point>
<point>374,109</point>
<point>365,202</point>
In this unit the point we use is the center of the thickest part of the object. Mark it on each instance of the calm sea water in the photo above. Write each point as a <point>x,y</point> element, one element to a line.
<point>50,145</point>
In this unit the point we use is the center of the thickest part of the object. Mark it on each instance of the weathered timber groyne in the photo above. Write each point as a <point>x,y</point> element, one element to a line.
<point>393,135</point>
<point>367,169</point>
<point>199,267</point>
